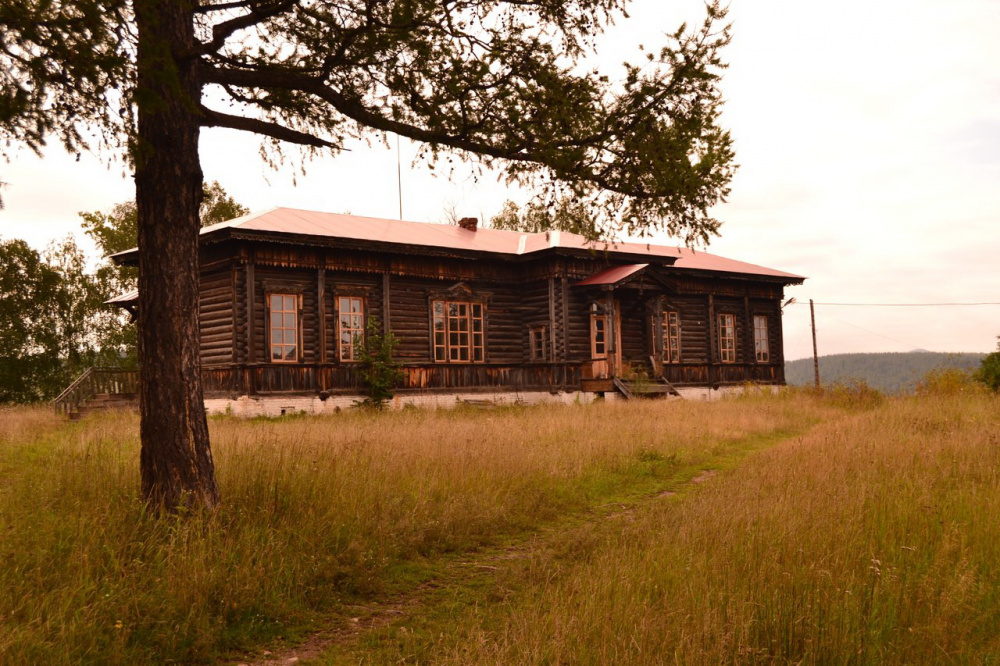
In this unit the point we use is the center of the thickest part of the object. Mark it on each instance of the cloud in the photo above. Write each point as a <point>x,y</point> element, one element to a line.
<point>978,142</point>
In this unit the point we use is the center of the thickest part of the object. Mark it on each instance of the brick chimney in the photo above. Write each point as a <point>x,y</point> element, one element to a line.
<point>469,223</point>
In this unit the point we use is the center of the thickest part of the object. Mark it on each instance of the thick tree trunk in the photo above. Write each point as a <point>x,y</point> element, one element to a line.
<point>176,461</point>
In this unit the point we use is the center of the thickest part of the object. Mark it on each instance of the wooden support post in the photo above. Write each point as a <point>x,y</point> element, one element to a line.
<point>564,302</point>
<point>609,308</point>
<point>749,352</point>
<point>248,386</point>
<point>385,303</point>
<point>711,340</point>
<point>321,370</point>
<point>251,311</point>
<point>778,355</point>
<point>552,319</point>
<point>321,312</point>
<point>611,331</point>
<point>234,357</point>
<point>812,319</point>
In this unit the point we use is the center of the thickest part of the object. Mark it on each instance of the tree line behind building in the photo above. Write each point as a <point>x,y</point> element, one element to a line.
<point>54,322</point>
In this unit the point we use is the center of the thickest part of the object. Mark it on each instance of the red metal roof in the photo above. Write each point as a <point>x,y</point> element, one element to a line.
<point>612,275</point>
<point>447,236</point>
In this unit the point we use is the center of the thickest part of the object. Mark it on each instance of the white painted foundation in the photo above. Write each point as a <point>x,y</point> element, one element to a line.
<point>277,405</point>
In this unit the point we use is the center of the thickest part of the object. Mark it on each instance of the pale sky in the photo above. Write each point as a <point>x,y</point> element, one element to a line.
<point>868,139</point>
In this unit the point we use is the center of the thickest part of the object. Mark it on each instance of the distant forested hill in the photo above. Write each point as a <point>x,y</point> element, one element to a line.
<point>889,372</point>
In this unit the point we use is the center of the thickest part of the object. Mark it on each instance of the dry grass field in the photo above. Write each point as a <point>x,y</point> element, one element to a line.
<point>837,528</point>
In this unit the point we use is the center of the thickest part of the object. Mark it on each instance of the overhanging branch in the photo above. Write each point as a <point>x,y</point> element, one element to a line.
<point>222,6</point>
<point>257,13</point>
<point>356,111</point>
<point>210,118</point>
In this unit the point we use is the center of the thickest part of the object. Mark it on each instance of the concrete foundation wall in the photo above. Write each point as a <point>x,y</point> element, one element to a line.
<point>278,405</point>
<point>274,405</point>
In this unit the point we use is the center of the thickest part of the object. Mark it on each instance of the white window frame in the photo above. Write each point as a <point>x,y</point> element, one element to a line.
<point>538,343</point>
<point>761,341</point>
<point>352,322</point>
<point>727,338</point>
<point>458,331</point>
<point>671,342</point>
<point>282,330</point>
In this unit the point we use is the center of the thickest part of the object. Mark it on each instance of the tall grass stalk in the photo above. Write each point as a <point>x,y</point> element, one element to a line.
<point>873,539</point>
<point>317,512</point>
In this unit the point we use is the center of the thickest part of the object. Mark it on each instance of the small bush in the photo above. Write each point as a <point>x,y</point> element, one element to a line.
<point>989,370</point>
<point>946,381</point>
<point>854,394</point>
<point>378,371</point>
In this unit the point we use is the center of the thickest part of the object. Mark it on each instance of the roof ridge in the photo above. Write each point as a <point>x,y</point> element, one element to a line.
<point>347,226</point>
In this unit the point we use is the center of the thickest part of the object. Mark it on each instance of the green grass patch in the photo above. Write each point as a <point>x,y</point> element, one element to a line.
<point>872,538</point>
<point>320,515</point>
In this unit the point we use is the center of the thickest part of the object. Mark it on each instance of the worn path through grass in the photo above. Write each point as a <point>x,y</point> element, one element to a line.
<point>325,518</point>
<point>432,593</point>
<point>869,538</point>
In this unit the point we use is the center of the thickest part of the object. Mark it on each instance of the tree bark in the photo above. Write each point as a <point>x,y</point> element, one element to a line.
<point>176,460</point>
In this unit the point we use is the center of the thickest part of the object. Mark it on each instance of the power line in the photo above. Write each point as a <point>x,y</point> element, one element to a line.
<point>875,333</point>
<point>899,305</point>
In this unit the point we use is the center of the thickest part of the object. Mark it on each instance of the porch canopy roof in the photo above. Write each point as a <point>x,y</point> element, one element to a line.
<point>611,277</point>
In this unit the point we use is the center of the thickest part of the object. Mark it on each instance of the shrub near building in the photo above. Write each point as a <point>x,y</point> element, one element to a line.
<point>989,370</point>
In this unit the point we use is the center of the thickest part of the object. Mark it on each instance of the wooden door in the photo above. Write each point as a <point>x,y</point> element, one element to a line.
<point>599,345</point>
<point>605,343</point>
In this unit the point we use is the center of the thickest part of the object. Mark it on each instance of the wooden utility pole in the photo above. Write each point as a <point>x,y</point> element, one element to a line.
<point>812,318</point>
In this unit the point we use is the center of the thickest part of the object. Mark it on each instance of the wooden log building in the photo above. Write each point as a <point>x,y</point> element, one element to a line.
<point>285,295</point>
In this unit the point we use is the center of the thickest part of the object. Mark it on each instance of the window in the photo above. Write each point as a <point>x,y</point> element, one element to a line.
<point>351,326</point>
<point>598,336</point>
<point>762,350</point>
<point>671,337</point>
<point>538,341</point>
<point>459,334</point>
<point>284,339</point>
<point>727,338</point>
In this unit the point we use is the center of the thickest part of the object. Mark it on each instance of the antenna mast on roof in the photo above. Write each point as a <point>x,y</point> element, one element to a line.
<point>399,179</point>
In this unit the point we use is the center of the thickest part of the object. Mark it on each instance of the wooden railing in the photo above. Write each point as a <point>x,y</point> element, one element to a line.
<point>238,380</point>
<point>314,377</point>
<point>704,374</point>
<point>95,381</point>
<point>623,388</point>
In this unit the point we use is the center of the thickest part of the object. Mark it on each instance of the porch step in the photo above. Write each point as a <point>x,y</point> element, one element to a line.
<point>646,389</point>
<point>107,401</point>
<point>108,398</point>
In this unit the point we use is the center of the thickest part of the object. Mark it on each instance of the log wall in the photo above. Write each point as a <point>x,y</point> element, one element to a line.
<point>409,318</point>
<point>398,290</point>
<point>578,323</point>
<point>215,312</point>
